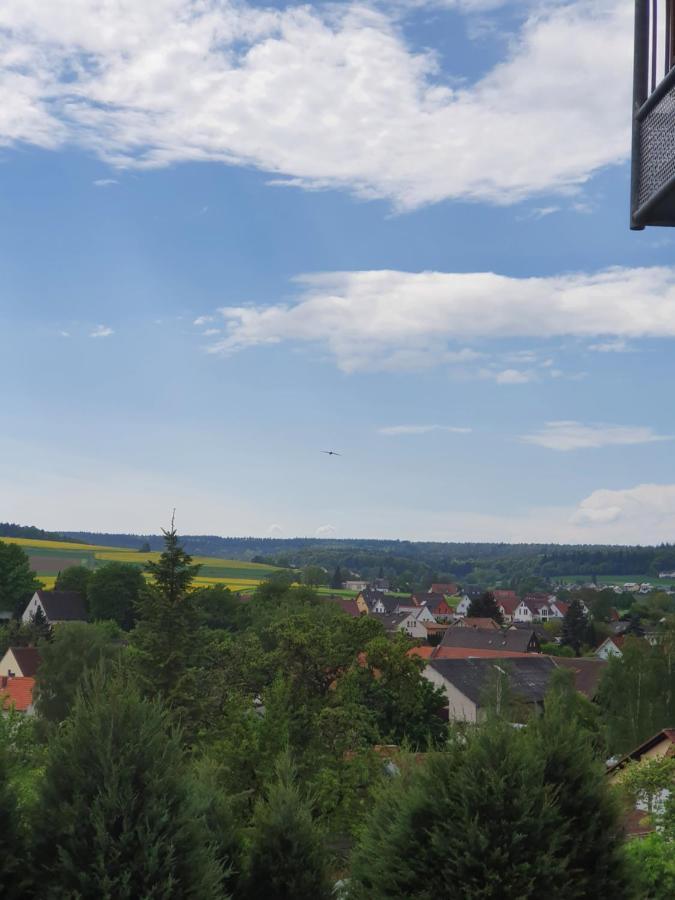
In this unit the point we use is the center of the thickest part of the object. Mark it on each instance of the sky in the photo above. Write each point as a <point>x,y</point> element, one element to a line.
<point>233,235</point>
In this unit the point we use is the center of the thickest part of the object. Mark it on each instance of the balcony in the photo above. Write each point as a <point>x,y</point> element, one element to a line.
<point>653,148</point>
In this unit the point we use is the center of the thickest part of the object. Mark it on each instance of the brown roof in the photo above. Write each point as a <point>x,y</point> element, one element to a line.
<point>28,660</point>
<point>520,640</point>
<point>666,734</point>
<point>346,604</point>
<point>444,587</point>
<point>587,673</point>
<point>423,652</point>
<point>477,622</point>
<point>16,693</point>
<point>508,604</point>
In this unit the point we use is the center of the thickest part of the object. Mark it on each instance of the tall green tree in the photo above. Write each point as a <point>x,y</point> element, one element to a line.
<point>575,627</point>
<point>165,645</point>
<point>475,821</point>
<point>115,818</point>
<point>485,607</point>
<point>76,647</point>
<point>13,862</point>
<point>337,579</point>
<point>113,593</point>
<point>590,833</point>
<point>17,580</point>
<point>286,857</point>
<point>74,578</point>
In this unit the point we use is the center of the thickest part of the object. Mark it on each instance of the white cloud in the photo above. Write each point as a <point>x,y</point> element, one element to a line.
<point>618,346</point>
<point>211,332</point>
<point>367,114</point>
<point>647,510</point>
<point>385,320</point>
<point>513,376</point>
<point>105,182</point>
<point>275,531</point>
<point>203,320</point>
<point>101,331</point>
<point>395,430</point>
<point>571,435</point>
<point>325,531</point>
<point>64,334</point>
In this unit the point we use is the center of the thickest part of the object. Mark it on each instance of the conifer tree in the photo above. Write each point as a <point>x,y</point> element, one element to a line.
<point>12,859</point>
<point>336,580</point>
<point>575,627</point>
<point>286,859</point>
<point>164,642</point>
<point>114,816</point>
<point>485,607</point>
<point>473,822</point>
<point>590,834</point>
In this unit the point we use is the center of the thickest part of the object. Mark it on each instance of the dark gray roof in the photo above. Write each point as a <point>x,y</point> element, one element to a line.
<point>391,622</point>
<point>517,640</point>
<point>63,606</point>
<point>528,676</point>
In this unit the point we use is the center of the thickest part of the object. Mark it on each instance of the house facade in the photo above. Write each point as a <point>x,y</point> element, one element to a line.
<point>20,661</point>
<point>611,646</point>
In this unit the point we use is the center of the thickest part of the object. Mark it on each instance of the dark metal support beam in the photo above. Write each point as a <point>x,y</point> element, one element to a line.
<point>640,93</point>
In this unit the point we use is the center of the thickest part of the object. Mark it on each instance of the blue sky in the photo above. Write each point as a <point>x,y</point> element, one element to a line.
<point>232,235</point>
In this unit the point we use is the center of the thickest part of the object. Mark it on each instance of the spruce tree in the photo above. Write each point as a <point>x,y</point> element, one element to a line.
<point>286,858</point>
<point>485,607</point>
<point>336,580</point>
<point>574,627</point>
<point>590,834</point>
<point>114,817</point>
<point>473,822</point>
<point>12,859</point>
<point>165,645</point>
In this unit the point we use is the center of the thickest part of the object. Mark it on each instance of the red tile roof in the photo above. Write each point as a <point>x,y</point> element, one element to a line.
<point>423,652</point>
<point>445,587</point>
<point>509,605</point>
<point>16,692</point>
<point>473,652</point>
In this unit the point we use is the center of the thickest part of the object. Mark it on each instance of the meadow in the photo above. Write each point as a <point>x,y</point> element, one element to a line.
<point>49,557</point>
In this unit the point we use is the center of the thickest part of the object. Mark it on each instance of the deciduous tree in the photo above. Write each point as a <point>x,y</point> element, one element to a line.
<point>74,578</point>
<point>17,581</point>
<point>113,593</point>
<point>485,607</point>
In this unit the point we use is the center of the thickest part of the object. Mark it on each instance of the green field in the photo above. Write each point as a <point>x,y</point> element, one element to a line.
<point>52,556</point>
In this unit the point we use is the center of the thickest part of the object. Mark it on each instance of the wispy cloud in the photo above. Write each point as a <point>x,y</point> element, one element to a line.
<point>210,332</point>
<point>326,531</point>
<point>64,334</point>
<point>572,435</point>
<point>203,320</point>
<point>395,430</point>
<point>396,130</point>
<point>101,331</point>
<point>618,346</point>
<point>387,320</point>
<point>105,182</point>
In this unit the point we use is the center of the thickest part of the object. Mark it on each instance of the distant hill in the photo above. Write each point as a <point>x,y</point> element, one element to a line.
<point>10,530</point>
<point>415,562</point>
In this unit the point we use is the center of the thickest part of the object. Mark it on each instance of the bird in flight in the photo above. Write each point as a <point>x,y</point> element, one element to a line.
<point>331,452</point>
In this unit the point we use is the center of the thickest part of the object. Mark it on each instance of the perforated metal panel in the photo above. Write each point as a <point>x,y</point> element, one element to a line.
<point>657,148</point>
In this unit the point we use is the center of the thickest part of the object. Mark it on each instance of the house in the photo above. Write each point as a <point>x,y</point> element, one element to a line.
<point>659,746</point>
<point>349,605</point>
<point>466,683</point>
<point>508,607</point>
<point>411,622</point>
<point>56,607</point>
<point>587,672</point>
<point>636,822</point>
<point>611,646</point>
<point>473,653</point>
<point>503,594</point>
<point>437,605</point>
<point>17,694</point>
<point>20,661</point>
<point>389,606</point>
<point>513,639</point>
<point>559,609</point>
<point>444,587</point>
<point>354,585</point>
<point>381,584</point>
<point>470,594</point>
<point>477,622</point>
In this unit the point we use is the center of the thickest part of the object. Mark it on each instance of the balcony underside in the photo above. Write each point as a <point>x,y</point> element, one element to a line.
<point>654,173</point>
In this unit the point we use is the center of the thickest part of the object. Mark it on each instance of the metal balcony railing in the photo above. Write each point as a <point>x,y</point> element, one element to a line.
<point>653,148</point>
